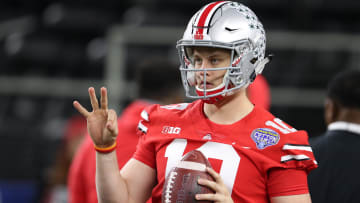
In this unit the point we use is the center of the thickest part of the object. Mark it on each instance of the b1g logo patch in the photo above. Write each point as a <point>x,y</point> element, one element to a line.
<point>264,137</point>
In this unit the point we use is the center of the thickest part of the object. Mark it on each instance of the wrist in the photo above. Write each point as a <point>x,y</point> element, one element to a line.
<point>105,150</point>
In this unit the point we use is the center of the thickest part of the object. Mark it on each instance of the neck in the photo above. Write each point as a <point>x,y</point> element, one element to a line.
<point>230,109</point>
<point>351,115</point>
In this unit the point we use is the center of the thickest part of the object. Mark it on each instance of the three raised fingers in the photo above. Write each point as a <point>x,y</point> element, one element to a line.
<point>94,102</point>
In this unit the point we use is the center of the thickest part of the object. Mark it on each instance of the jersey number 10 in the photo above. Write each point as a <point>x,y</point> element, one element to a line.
<point>230,158</point>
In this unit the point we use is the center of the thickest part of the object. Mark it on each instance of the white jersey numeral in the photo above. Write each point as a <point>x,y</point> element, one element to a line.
<point>230,158</point>
<point>174,152</point>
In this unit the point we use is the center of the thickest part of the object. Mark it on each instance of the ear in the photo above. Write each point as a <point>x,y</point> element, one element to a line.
<point>331,111</point>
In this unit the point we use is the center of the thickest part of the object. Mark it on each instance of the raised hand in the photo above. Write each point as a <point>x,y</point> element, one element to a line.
<point>101,121</point>
<point>221,192</point>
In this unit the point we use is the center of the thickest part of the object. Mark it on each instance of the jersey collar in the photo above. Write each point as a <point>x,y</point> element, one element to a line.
<point>346,126</point>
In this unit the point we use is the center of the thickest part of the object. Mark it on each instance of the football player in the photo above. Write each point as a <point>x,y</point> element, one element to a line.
<point>256,157</point>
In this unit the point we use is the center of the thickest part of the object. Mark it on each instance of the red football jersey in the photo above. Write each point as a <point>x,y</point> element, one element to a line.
<point>251,155</point>
<point>81,179</point>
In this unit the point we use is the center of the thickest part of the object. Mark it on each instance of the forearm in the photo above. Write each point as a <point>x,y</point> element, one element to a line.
<point>303,198</point>
<point>110,186</point>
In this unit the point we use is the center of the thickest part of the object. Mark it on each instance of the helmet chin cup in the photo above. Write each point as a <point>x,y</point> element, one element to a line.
<point>206,95</point>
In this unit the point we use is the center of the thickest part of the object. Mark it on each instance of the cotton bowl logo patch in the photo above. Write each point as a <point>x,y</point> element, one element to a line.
<point>264,137</point>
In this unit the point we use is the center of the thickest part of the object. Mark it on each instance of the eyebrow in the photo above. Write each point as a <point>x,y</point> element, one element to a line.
<point>214,54</point>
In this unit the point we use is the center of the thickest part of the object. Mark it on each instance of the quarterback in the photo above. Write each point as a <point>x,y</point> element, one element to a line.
<point>255,156</point>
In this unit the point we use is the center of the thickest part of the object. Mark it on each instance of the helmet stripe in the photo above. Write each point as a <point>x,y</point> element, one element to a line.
<point>204,16</point>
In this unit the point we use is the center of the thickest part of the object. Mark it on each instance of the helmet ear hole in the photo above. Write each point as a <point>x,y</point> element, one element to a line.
<point>253,60</point>
<point>252,76</point>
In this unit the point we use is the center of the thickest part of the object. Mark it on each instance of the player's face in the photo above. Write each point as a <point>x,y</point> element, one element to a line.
<point>206,57</point>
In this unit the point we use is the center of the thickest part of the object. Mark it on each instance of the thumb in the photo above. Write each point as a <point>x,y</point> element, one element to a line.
<point>111,123</point>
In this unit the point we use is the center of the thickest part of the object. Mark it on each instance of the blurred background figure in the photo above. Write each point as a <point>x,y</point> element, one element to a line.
<point>259,92</point>
<point>338,179</point>
<point>158,81</point>
<point>55,189</point>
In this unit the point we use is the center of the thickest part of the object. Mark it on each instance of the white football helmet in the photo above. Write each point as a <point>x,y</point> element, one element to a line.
<point>228,25</point>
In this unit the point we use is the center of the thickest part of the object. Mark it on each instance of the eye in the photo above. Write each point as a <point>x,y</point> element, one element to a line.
<point>214,60</point>
<point>197,61</point>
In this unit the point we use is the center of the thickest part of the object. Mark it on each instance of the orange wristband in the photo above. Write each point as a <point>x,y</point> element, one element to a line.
<point>106,149</point>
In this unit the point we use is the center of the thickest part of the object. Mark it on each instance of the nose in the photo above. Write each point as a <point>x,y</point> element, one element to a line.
<point>201,67</point>
<point>204,64</point>
<point>201,73</point>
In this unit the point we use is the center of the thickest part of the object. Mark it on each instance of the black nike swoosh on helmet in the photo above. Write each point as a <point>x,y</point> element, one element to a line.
<point>229,29</point>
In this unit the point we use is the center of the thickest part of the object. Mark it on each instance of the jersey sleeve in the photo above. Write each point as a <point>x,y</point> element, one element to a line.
<point>284,182</point>
<point>295,160</point>
<point>296,152</point>
<point>145,151</point>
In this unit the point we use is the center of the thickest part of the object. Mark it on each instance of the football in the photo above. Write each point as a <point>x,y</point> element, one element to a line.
<point>181,183</point>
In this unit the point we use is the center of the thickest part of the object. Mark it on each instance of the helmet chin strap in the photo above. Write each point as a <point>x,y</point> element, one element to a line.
<point>212,99</point>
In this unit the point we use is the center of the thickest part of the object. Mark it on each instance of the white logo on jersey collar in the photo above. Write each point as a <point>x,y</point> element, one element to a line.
<point>207,137</point>
<point>171,130</point>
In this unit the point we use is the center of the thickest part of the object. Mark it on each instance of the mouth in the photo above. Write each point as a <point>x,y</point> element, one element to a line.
<point>208,85</point>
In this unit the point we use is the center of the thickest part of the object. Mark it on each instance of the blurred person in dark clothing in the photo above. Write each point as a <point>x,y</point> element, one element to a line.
<point>338,179</point>
<point>158,82</point>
